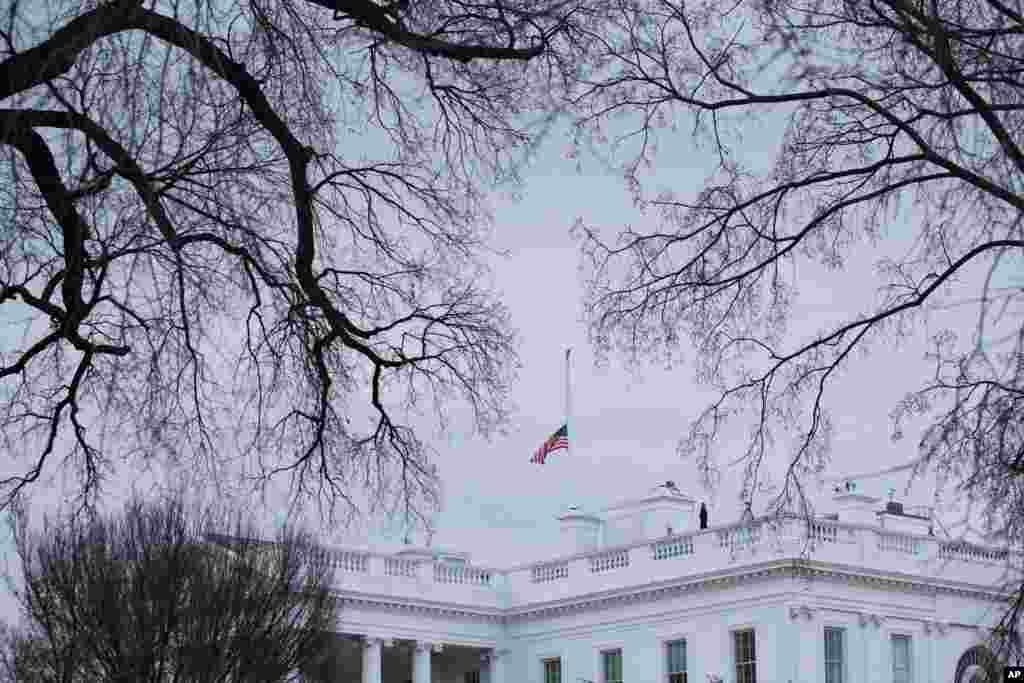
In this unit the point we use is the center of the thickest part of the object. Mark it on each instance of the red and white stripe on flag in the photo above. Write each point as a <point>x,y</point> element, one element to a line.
<point>560,439</point>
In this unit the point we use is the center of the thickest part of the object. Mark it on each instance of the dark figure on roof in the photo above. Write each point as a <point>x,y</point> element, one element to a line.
<point>703,516</point>
<point>748,514</point>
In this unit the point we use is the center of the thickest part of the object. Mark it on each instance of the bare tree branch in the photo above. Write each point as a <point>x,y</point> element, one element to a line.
<point>896,115</point>
<point>214,258</point>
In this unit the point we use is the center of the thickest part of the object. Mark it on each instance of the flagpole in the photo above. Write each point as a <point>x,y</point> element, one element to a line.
<point>568,402</point>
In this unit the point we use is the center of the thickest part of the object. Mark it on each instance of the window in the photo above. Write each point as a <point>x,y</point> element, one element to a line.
<point>676,664</point>
<point>834,654</point>
<point>472,677</point>
<point>900,659</point>
<point>553,670</point>
<point>745,656</point>
<point>612,666</point>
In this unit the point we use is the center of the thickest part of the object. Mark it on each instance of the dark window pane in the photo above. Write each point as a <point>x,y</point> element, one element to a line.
<point>676,656</point>
<point>552,671</point>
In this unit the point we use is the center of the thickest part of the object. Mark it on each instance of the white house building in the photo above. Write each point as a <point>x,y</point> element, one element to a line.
<point>643,594</point>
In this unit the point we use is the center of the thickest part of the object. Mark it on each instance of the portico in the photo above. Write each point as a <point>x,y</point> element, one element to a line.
<point>375,659</point>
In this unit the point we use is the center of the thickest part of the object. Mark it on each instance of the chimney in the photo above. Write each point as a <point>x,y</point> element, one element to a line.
<point>581,533</point>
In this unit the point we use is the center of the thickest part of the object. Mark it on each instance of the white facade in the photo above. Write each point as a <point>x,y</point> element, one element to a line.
<point>643,575</point>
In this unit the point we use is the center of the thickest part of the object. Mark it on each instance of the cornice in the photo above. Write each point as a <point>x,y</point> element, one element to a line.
<point>654,591</point>
<point>939,628</point>
<point>649,592</point>
<point>812,569</point>
<point>864,619</point>
<point>390,603</point>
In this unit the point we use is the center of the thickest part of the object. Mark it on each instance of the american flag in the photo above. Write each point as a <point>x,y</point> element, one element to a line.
<point>559,439</point>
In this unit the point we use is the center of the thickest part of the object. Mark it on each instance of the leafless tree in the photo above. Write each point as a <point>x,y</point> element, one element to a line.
<point>897,115</point>
<point>22,658</point>
<point>161,593</point>
<point>245,236</point>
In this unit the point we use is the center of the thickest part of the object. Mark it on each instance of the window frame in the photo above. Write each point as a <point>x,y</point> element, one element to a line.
<point>893,636</point>
<point>666,675</point>
<point>844,659</point>
<point>622,668</point>
<point>598,649</point>
<point>664,636</point>
<point>552,657</point>
<point>733,647</point>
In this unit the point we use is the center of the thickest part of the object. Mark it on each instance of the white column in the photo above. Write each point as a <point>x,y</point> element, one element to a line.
<point>938,630</point>
<point>372,660</point>
<point>923,653</point>
<point>809,644</point>
<point>874,648</point>
<point>787,659</point>
<point>486,667</point>
<point>421,662</point>
<point>709,656</point>
<point>856,661</point>
<point>492,666</point>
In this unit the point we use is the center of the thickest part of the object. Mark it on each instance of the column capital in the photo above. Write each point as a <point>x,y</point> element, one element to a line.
<point>425,645</point>
<point>492,655</point>
<point>421,667</point>
<point>801,611</point>
<point>865,619</point>
<point>373,653</point>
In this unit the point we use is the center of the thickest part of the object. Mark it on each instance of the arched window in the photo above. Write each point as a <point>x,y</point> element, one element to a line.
<point>977,665</point>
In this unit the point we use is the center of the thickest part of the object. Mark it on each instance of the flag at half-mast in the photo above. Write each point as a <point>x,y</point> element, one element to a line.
<point>560,439</point>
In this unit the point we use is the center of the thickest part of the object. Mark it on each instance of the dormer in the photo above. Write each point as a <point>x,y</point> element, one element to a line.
<point>665,512</point>
<point>853,506</point>
<point>581,532</point>
<point>857,508</point>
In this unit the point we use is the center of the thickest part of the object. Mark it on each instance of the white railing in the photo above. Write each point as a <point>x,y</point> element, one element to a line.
<point>609,560</point>
<point>349,561</point>
<point>639,562</point>
<point>543,573</point>
<point>449,573</point>
<point>901,543</point>
<point>679,546</point>
<point>924,511</point>
<point>824,532</point>
<point>400,567</point>
<point>739,536</point>
<point>967,552</point>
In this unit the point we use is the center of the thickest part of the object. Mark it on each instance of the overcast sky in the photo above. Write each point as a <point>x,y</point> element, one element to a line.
<point>501,508</point>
